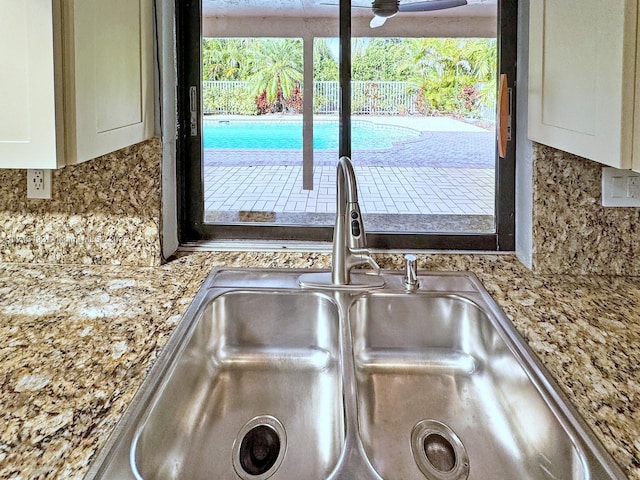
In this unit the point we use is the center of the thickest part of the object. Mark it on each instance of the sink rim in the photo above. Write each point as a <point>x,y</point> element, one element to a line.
<point>574,425</point>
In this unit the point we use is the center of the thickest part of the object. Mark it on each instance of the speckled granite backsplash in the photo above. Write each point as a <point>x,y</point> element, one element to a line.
<point>105,211</point>
<point>108,211</point>
<point>572,232</point>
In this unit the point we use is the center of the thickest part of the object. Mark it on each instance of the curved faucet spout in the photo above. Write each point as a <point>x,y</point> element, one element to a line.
<point>349,238</point>
<point>346,181</point>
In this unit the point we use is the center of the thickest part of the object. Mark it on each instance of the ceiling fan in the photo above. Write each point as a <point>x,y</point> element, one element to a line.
<point>384,9</point>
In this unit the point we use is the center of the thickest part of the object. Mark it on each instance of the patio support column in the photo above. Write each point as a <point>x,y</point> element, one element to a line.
<point>345,79</point>
<point>307,115</point>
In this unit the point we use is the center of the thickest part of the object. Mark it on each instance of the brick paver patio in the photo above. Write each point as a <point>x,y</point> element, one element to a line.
<point>391,190</point>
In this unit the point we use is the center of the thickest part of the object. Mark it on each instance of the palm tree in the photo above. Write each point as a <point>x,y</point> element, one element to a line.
<point>381,59</point>
<point>449,68</point>
<point>222,59</point>
<point>484,58</point>
<point>275,66</point>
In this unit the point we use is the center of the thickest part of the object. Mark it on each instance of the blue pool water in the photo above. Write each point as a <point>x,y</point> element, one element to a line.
<point>288,135</point>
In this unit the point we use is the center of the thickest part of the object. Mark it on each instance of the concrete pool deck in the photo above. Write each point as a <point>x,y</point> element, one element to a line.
<point>448,171</point>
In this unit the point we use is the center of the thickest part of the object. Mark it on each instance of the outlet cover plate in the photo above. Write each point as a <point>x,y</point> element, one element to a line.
<point>39,184</point>
<point>620,188</point>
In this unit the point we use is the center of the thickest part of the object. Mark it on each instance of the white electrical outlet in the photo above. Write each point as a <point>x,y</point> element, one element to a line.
<point>39,184</point>
<point>633,187</point>
<point>620,188</point>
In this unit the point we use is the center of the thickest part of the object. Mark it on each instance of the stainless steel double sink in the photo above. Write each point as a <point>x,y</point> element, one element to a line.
<point>265,379</point>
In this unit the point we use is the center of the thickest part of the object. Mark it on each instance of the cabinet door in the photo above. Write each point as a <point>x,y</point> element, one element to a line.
<point>28,134</point>
<point>635,163</point>
<point>109,44</point>
<point>582,77</point>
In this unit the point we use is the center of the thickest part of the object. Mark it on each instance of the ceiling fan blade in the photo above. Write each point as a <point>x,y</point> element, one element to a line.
<point>377,21</point>
<point>368,7</point>
<point>432,5</point>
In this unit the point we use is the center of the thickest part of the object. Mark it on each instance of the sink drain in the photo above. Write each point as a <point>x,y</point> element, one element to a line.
<point>438,451</point>
<point>259,448</point>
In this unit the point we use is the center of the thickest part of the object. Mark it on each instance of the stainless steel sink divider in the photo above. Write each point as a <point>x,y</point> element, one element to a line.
<point>353,462</point>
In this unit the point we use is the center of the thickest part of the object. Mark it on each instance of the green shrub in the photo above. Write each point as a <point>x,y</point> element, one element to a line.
<point>448,95</point>
<point>236,101</point>
<point>319,103</point>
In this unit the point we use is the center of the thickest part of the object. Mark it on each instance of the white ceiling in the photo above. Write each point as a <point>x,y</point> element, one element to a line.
<point>313,8</point>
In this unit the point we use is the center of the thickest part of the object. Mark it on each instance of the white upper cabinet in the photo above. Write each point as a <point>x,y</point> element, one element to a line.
<point>110,82</point>
<point>30,100</point>
<point>76,79</point>
<point>582,79</point>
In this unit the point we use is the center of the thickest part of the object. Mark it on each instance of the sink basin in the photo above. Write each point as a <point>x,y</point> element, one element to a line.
<point>265,379</point>
<point>259,376</point>
<point>434,372</point>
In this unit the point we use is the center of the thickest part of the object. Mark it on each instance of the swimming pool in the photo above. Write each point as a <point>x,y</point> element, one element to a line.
<point>287,135</point>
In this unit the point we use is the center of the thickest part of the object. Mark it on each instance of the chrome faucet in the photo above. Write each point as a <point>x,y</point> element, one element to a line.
<point>349,243</point>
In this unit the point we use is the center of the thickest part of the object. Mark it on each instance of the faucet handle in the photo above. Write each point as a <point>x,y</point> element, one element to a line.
<point>410,279</point>
<point>372,263</point>
<point>361,256</point>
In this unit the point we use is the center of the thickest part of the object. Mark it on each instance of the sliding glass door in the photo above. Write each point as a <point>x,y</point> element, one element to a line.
<point>263,90</point>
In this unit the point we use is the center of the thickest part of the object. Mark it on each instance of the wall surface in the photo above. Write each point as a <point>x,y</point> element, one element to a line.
<point>572,232</point>
<point>106,211</point>
<point>524,154</point>
<point>166,116</point>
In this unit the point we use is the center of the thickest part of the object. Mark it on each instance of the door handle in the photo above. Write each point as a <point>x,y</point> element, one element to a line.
<point>504,115</point>
<point>193,111</point>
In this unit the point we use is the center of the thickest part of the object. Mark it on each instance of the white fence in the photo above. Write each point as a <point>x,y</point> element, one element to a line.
<point>225,97</point>
<point>383,98</point>
<point>374,98</point>
<point>488,113</point>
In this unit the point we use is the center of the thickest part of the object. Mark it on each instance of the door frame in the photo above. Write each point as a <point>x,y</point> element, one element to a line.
<point>190,177</point>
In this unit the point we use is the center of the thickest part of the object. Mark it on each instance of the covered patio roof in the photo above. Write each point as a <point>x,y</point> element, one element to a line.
<point>309,18</point>
<point>318,8</point>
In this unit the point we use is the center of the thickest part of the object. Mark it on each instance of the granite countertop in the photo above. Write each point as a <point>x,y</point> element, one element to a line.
<point>77,342</point>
